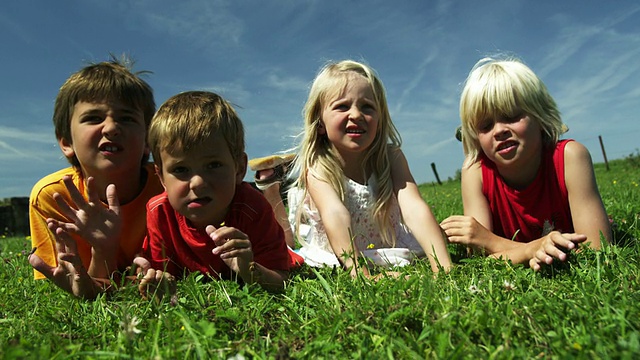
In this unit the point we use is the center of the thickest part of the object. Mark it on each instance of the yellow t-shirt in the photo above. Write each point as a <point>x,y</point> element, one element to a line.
<point>43,206</point>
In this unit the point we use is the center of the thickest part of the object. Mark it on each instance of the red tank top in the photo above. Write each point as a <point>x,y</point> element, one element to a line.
<point>528,214</point>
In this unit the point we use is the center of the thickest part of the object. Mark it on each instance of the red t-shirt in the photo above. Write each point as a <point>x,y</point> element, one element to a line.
<point>173,242</point>
<point>533,212</point>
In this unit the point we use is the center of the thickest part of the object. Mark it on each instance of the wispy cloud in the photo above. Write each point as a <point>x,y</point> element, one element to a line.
<point>286,84</point>
<point>575,35</point>
<point>203,23</point>
<point>14,28</point>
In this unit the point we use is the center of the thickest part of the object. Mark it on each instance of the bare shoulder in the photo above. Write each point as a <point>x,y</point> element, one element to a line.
<point>578,168</point>
<point>576,152</point>
<point>399,166</point>
<point>396,155</point>
<point>472,172</point>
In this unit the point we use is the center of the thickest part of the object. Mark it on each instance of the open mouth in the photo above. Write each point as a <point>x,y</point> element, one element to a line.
<point>506,145</point>
<point>199,202</point>
<point>355,131</point>
<point>112,148</point>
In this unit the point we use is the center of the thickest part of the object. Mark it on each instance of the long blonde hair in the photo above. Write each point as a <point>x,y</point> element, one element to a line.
<point>317,157</point>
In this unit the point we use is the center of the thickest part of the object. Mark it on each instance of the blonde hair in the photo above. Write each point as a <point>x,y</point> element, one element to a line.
<point>503,88</point>
<point>189,119</point>
<point>316,155</point>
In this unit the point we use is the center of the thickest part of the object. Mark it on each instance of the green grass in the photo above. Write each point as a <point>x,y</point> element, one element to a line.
<point>588,308</point>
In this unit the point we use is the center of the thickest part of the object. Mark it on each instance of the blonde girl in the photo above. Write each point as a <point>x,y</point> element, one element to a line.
<point>528,196</point>
<point>355,186</point>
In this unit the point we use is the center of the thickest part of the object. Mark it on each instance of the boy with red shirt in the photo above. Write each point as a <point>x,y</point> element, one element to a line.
<point>208,219</point>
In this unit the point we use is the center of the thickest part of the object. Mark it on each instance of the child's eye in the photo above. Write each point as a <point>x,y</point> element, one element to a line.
<point>128,119</point>
<point>214,165</point>
<point>178,170</point>
<point>341,107</point>
<point>485,126</point>
<point>514,118</point>
<point>92,119</point>
<point>368,108</point>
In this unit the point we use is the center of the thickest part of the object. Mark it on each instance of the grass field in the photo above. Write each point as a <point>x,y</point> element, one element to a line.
<point>586,308</point>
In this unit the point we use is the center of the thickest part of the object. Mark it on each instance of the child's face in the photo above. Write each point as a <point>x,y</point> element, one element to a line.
<point>108,138</point>
<point>350,121</point>
<point>511,142</point>
<point>201,183</point>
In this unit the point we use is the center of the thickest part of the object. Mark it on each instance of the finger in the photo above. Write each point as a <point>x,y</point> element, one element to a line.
<point>112,199</point>
<point>142,265</point>
<point>552,250</point>
<point>534,264</point>
<point>54,225</point>
<point>37,263</point>
<point>210,230</point>
<point>236,253</point>
<point>543,257</point>
<point>563,240</point>
<point>453,218</point>
<point>230,244</point>
<point>576,238</point>
<point>69,242</point>
<point>64,207</point>
<point>68,250</point>
<point>92,191</point>
<point>74,193</point>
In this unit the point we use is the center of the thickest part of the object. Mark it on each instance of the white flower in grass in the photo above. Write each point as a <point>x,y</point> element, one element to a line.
<point>474,289</point>
<point>509,286</point>
<point>237,356</point>
<point>129,327</point>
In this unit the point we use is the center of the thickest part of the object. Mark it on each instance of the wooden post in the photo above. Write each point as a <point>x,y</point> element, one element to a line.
<point>435,172</point>
<point>606,163</point>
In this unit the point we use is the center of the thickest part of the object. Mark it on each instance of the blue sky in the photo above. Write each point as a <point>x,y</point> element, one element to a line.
<point>262,56</point>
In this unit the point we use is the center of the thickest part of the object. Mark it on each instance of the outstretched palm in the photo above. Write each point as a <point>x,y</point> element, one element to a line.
<point>100,226</point>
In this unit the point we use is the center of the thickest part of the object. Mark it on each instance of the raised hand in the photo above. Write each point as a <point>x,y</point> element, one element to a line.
<point>98,225</point>
<point>70,274</point>
<point>233,246</point>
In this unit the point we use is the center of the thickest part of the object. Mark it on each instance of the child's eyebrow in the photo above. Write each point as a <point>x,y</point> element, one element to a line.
<point>93,111</point>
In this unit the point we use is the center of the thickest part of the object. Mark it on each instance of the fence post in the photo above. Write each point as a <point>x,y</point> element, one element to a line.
<point>606,163</point>
<point>435,172</point>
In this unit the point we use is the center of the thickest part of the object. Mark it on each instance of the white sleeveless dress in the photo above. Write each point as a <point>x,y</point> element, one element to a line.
<point>316,248</point>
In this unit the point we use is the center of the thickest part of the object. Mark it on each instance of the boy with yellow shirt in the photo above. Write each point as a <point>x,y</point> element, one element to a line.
<point>88,220</point>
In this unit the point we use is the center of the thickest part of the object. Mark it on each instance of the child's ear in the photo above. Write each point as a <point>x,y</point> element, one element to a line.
<point>241,168</point>
<point>159,175</point>
<point>67,148</point>
<point>321,129</point>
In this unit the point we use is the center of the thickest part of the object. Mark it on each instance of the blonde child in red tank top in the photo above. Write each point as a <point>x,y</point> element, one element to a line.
<point>509,121</point>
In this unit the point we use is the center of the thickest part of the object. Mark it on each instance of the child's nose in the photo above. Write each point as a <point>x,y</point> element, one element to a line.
<point>355,113</point>
<point>110,126</point>
<point>500,130</point>
<point>197,181</point>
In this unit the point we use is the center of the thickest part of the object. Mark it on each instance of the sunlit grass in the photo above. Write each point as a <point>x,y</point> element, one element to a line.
<point>588,308</point>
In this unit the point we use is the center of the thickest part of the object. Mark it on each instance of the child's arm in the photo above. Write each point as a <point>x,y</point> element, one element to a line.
<point>235,250</point>
<point>475,229</point>
<point>417,215</point>
<point>587,210</point>
<point>337,222</point>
